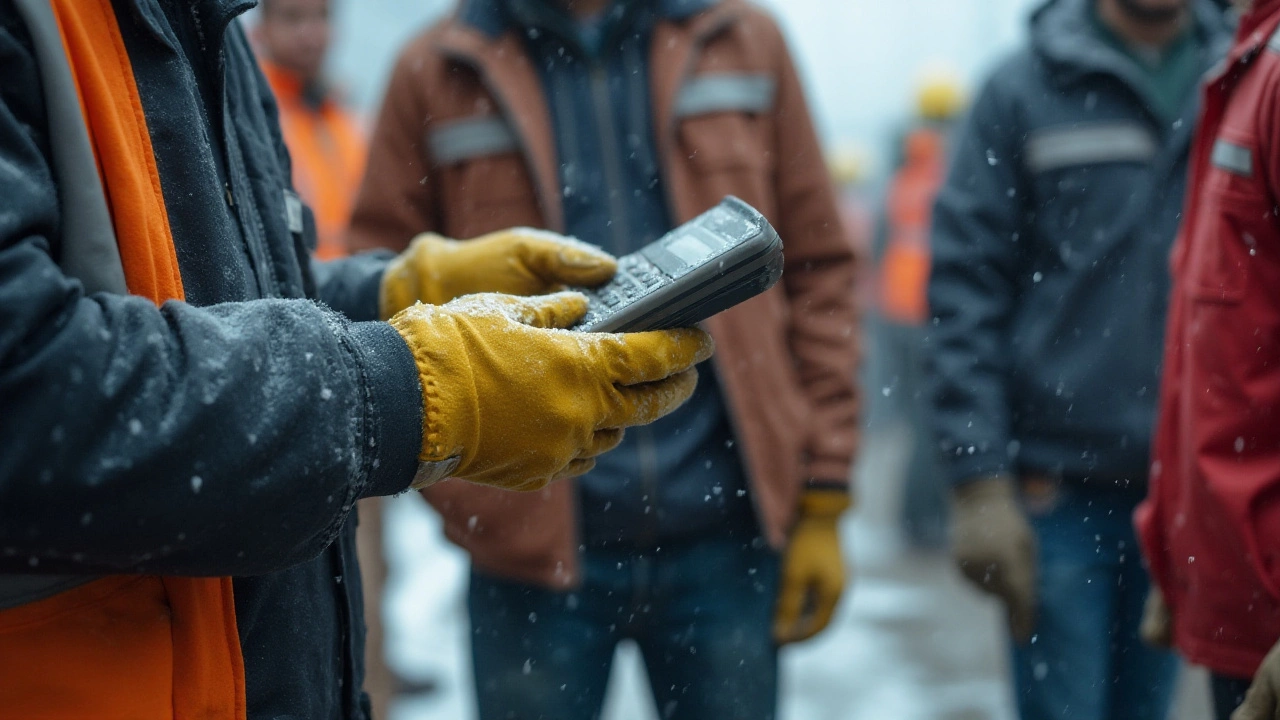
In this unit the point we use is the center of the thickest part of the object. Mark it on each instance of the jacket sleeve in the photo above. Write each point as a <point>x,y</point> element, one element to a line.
<point>227,440</point>
<point>397,197</point>
<point>972,289</point>
<point>818,276</point>
<point>352,285</point>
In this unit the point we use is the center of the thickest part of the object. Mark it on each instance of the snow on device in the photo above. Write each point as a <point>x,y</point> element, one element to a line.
<point>724,256</point>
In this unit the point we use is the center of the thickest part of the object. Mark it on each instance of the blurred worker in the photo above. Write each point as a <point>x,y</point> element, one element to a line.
<point>1211,524</point>
<point>902,308</point>
<point>614,121</point>
<point>324,140</point>
<point>182,406</point>
<point>327,151</point>
<point>1049,286</point>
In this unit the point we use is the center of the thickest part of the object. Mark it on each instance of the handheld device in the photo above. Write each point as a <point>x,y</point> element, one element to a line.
<point>726,255</point>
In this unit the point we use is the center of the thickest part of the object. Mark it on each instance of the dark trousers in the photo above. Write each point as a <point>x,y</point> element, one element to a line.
<point>1228,693</point>
<point>701,613</point>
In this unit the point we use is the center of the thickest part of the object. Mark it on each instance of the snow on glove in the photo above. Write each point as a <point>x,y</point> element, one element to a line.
<point>812,569</point>
<point>510,400</point>
<point>995,548</point>
<point>520,261</point>
<point>1262,702</point>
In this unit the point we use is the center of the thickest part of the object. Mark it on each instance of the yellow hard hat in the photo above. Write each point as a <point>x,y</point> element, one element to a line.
<point>847,163</point>
<point>939,96</point>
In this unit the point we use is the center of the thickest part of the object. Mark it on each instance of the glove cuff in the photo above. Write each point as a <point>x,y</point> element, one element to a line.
<point>824,504</point>
<point>986,487</point>
<point>450,407</point>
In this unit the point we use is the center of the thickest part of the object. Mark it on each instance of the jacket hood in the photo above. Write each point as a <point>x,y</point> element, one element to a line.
<point>491,17</point>
<point>1063,34</point>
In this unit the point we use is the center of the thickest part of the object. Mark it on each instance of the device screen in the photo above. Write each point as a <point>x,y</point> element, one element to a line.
<point>694,244</point>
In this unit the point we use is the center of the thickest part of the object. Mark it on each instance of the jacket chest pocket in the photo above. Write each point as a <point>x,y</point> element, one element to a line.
<point>1088,178</point>
<point>1235,214</point>
<point>482,176</point>
<point>722,122</point>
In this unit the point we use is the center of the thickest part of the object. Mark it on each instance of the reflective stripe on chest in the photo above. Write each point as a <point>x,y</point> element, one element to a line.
<point>1054,148</point>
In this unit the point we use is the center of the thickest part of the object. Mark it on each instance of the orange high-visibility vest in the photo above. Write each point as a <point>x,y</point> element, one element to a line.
<point>128,647</point>
<point>904,271</point>
<point>328,153</point>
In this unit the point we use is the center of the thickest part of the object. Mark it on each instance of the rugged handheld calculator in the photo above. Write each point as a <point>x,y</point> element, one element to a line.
<point>725,255</point>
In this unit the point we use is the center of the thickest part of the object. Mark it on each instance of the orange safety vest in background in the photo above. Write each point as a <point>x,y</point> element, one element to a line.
<point>904,271</point>
<point>127,647</point>
<point>328,153</point>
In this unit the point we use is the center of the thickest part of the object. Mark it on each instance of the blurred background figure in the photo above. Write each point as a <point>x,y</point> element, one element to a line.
<point>901,307</point>
<point>710,538</point>
<point>326,146</point>
<point>327,150</point>
<point>1051,240</point>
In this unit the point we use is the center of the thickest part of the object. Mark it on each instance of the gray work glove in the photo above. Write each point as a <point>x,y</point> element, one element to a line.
<point>1157,624</point>
<point>995,548</point>
<point>1262,702</point>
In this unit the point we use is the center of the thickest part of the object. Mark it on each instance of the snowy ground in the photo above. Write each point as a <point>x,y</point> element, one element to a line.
<point>911,642</point>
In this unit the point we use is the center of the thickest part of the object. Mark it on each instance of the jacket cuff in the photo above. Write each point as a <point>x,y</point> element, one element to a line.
<point>393,410</point>
<point>353,285</point>
<point>967,468</point>
<point>828,472</point>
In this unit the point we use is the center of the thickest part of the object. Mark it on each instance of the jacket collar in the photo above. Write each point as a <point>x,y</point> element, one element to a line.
<point>1062,33</point>
<point>1257,17</point>
<point>511,78</point>
<point>492,18</point>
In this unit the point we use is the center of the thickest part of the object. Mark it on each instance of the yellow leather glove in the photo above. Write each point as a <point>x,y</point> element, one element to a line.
<point>995,548</point>
<point>1262,702</point>
<point>511,401</point>
<point>520,261</point>
<point>812,568</point>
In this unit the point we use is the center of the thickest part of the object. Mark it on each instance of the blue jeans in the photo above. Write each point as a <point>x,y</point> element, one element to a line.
<point>701,613</point>
<point>1086,661</point>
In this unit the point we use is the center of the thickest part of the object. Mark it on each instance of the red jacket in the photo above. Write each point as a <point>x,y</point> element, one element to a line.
<point>1211,523</point>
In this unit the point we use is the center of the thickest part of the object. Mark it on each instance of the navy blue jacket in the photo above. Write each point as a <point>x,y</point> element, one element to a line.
<point>226,435</point>
<point>680,477</point>
<point>1050,240</point>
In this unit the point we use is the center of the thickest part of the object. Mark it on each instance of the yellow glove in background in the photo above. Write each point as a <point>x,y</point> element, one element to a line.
<point>812,568</point>
<point>996,549</point>
<point>517,403</point>
<point>519,261</point>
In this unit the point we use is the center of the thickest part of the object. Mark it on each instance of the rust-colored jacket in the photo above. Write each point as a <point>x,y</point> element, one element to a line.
<point>786,359</point>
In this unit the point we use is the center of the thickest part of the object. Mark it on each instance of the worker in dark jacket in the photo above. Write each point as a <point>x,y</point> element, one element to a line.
<point>186,425</point>
<point>1051,238</point>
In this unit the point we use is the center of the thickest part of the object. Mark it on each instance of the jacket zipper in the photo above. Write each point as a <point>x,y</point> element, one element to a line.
<point>670,132</point>
<point>608,132</point>
<point>620,227</point>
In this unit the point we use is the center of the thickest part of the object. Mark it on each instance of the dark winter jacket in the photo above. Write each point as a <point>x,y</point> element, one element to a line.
<point>1051,239</point>
<point>226,435</point>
